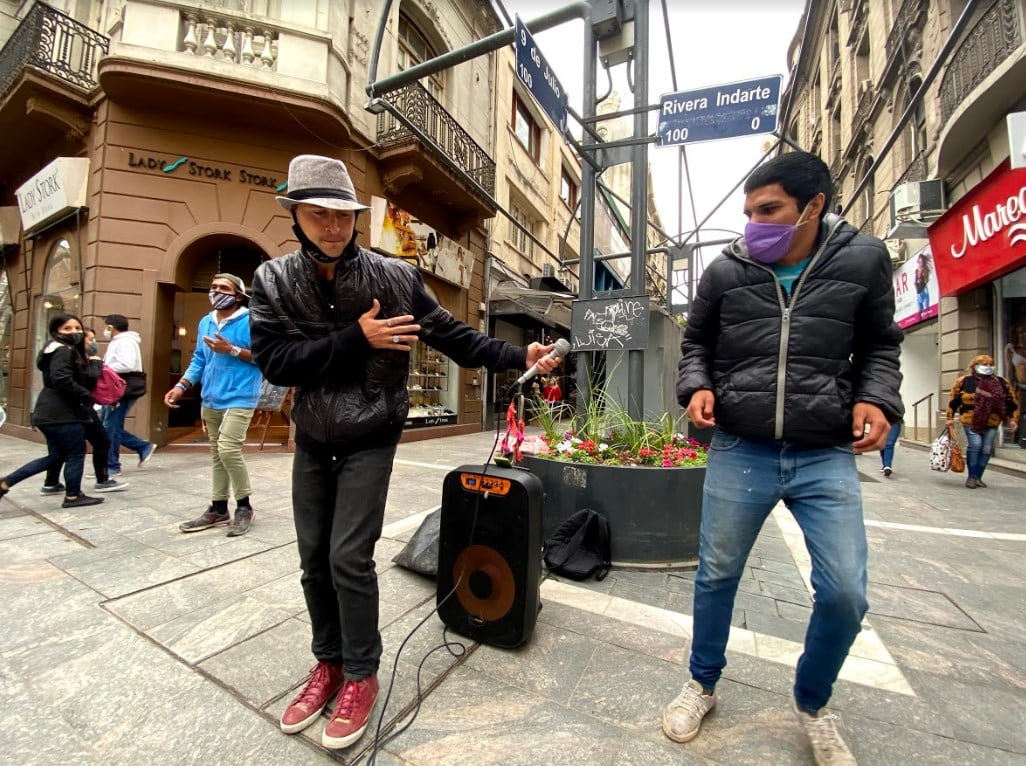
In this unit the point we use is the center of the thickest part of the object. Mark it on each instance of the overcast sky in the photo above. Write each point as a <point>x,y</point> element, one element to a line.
<point>714,42</point>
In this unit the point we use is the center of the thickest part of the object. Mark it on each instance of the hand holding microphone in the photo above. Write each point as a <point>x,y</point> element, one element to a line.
<point>547,362</point>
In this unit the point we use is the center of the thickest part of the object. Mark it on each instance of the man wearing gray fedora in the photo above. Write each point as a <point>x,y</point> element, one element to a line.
<point>338,322</point>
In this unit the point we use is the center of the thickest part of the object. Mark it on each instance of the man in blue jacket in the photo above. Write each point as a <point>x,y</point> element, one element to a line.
<point>791,353</point>
<point>223,365</point>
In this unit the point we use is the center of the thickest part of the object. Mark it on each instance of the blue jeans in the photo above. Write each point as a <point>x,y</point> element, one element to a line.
<point>887,453</point>
<point>338,507</point>
<point>65,443</point>
<point>981,447</point>
<point>113,417</point>
<point>744,480</point>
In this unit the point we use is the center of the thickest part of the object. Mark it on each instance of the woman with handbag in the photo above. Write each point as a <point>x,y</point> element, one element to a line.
<point>982,401</point>
<point>63,409</point>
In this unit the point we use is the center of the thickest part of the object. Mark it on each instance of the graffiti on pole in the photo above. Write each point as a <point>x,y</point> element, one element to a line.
<point>610,324</point>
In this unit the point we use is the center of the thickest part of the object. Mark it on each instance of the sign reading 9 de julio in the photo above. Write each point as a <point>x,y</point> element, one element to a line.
<point>983,235</point>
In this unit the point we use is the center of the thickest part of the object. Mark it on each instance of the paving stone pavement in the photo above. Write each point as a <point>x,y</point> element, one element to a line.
<point>125,641</point>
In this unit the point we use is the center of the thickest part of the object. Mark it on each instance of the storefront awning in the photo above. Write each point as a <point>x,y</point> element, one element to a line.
<point>525,306</point>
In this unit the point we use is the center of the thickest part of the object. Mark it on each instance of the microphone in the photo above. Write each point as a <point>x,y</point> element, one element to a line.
<point>562,349</point>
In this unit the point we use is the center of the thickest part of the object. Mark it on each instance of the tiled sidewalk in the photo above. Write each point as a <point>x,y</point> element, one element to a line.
<point>127,641</point>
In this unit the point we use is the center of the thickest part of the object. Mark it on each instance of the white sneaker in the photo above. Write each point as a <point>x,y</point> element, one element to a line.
<point>682,718</point>
<point>828,747</point>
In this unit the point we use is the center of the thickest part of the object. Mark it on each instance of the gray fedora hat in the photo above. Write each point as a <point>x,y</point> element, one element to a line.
<point>320,181</point>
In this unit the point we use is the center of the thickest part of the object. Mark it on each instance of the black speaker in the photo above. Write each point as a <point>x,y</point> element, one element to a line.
<point>489,553</point>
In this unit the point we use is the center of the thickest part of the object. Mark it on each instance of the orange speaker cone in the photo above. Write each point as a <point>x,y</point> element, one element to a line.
<point>486,588</point>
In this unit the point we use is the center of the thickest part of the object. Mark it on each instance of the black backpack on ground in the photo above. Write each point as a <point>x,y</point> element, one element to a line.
<point>579,547</point>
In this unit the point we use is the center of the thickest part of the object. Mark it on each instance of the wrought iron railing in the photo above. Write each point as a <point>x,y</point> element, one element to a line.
<point>53,42</point>
<point>449,139</point>
<point>991,40</point>
<point>909,16</point>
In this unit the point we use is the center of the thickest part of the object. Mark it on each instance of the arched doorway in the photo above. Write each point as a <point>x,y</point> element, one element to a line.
<point>188,301</point>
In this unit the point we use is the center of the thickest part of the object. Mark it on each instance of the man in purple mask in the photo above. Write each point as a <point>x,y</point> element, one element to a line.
<point>791,353</point>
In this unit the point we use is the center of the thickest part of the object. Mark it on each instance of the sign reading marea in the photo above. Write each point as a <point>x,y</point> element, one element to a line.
<point>720,111</point>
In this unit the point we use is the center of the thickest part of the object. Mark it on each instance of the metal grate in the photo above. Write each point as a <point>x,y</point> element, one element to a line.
<point>53,42</point>
<point>450,140</point>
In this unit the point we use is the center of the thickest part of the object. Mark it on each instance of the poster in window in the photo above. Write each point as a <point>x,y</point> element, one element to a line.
<point>916,291</point>
<point>396,232</point>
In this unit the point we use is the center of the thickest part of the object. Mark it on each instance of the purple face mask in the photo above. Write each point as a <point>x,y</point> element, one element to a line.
<point>769,242</point>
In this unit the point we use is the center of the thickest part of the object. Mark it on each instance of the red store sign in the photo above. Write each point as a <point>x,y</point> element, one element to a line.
<point>983,235</point>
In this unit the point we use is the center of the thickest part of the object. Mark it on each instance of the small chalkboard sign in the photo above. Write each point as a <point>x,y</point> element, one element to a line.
<point>610,324</point>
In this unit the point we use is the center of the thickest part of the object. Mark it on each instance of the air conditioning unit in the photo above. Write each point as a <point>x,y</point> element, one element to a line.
<point>914,205</point>
<point>548,270</point>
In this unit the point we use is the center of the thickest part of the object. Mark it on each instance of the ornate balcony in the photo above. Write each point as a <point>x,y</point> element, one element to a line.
<point>52,42</point>
<point>445,148</point>
<point>992,39</point>
<point>911,15</point>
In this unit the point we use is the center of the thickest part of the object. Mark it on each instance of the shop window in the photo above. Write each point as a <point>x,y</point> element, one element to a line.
<point>431,385</point>
<point>6,330</point>
<point>526,129</point>
<point>1012,359</point>
<point>61,294</point>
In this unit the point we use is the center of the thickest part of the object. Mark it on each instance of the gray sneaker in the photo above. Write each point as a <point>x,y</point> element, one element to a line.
<point>241,523</point>
<point>682,718</point>
<point>209,518</point>
<point>828,747</point>
<point>111,485</point>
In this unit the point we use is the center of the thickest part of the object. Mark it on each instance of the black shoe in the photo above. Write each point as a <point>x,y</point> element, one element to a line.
<point>242,522</point>
<point>111,485</point>
<point>52,489</point>
<point>81,501</point>
<point>887,471</point>
<point>971,483</point>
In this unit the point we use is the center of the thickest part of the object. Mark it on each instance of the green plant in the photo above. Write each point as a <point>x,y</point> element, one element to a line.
<point>602,432</point>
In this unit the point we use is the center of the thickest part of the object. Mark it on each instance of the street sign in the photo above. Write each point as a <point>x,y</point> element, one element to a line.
<point>744,108</point>
<point>539,79</point>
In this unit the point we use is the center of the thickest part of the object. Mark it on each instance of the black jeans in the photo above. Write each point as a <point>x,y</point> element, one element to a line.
<point>96,435</point>
<point>65,443</point>
<point>339,508</point>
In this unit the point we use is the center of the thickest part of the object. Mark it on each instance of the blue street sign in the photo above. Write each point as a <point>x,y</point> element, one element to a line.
<point>720,111</point>
<point>539,79</point>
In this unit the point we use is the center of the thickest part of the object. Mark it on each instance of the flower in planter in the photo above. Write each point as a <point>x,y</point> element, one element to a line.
<point>605,435</point>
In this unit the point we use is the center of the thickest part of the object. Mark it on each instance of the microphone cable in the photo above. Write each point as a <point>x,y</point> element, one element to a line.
<point>450,646</point>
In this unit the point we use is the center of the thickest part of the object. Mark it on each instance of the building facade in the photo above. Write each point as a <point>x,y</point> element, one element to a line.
<point>146,144</point>
<point>904,158</point>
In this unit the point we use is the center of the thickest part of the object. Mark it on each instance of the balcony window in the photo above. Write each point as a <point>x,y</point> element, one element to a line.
<point>568,189</point>
<point>414,49</point>
<point>517,236</point>
<point>61,295</point>
<point>526,129</point>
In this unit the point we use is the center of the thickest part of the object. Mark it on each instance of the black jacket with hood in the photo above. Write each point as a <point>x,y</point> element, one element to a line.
<point>792,367</point>
<point>305,333</point>
<point>68,383</point>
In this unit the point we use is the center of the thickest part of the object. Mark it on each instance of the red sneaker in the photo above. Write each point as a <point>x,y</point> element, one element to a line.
<point>353,707</point>
<point>325,680</point>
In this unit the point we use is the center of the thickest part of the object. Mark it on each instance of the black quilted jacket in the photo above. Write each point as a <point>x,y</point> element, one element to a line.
<point>305,333</point>
<point>792,368</point>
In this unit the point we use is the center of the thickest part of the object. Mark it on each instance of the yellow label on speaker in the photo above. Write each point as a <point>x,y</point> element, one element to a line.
<point>494,485</point>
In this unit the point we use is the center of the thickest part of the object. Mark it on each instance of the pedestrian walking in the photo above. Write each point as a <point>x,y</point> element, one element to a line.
<point>124,356</point>
<point>63,409</point>
<point>981,401</point>
<point>338,322</point>
<point>96,436</point>
<point>223,364</point>
<point>887,453</point>
<point>791,353</point>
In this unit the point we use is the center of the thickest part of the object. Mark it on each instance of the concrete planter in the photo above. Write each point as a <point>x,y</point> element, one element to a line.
<point>653,513</point>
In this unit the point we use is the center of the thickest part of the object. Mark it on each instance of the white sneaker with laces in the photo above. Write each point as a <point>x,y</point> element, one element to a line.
<point>682,718</point>
<point>828,748</point>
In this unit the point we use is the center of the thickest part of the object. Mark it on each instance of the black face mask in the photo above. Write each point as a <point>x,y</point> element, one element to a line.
<point>70,338</point>
<point>312,250</point>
